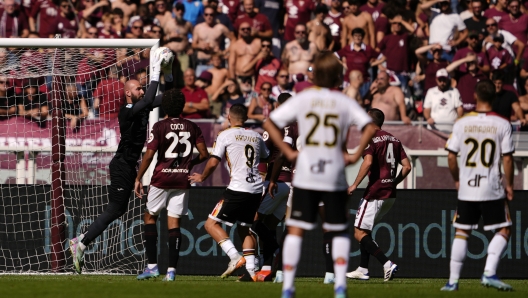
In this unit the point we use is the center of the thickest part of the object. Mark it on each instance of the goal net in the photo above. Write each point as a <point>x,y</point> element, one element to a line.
<point>59,101</point>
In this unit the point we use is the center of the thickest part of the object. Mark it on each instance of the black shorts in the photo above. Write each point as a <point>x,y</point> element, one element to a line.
<point>236,206</point>
<point>122,177</point>
<point>305,208</point>
<point>495,214</point>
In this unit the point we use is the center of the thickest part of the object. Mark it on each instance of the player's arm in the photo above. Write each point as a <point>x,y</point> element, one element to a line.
<point>275,171</point>
<point>507,162</point>
<point>453,167</point>
<point>148,99</point>
<point>209,169</point>
<point>169,73</point>
<point>518,112</point>
<point>203,155</point>
<point>277,138</point>
<point>400,100</point>
<point>406,169</point>
<point>367,133</point>
<point>363,171</point>
<point>145,163</point>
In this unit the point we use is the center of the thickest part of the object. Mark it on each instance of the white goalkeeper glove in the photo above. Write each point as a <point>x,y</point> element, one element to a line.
<point>155,63</point>
<point>167,70</point>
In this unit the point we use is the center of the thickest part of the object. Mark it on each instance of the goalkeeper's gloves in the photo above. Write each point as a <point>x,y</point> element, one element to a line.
<point>167,70</point>
<point>155,64</point>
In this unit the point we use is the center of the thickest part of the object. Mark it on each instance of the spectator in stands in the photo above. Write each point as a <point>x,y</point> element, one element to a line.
<point>358,19</point>
<point>429,67</point>
<point>466,82</point>
<point>227,95</point>
<point>353,90</point>
<point>516,23</point>
<point>148,19</point>
<point>219,17</point>
<point>498,11</point>
<point>33,104</point>
<point>196,100</point>
<point>177,36</point>
<point>506,102</point>
<point>244,49</point>
<point>109,95</point>
<point>474,46</point>
<point>234,9</point>
<point>156,32</point>
<point>297,12</point>
<point>65,23</point>
<point>265,64</point>
<point>246,86</point>
<point>92,32</point>
<point>219,73</point>
<point>304,83</point>
<point>107,30</point>
<point>476,23</point>
<point>90,13</point>
<point>260,107</point>
<point>142,78</point>
<point>395,49</point>
<point>117,22</point>
<point>442,104</point>
<point>163,15</point>
<point>129,9</point>
<point>13,22</point>
<point>298,54</point>
<point>204,80</point>
<point>498,56</point>
<point>389,99</point>
<point>373,7</point>
<point>193,9</point>
<point>274,11</point>
<point>333,21</point>
<point>523,103</point>
<point>259,23</point>
<point>510,41</point>
<point>283,84</point>
<point>7,99</point>
<point>74,107</point>
<point>318,32</point>
<point>136,29</point>
<point>345,8</point>
<point>359,56</point>
<point>45,11</point>
<point>443,25</point>
<point>206,39</point>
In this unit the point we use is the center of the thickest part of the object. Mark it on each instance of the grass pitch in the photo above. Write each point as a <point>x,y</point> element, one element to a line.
<point>76,286</point>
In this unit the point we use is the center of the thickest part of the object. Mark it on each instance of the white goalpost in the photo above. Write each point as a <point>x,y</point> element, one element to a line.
<point>58,133</point>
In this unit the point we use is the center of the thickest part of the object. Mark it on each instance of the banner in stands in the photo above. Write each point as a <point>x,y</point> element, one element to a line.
<point>416,234</point>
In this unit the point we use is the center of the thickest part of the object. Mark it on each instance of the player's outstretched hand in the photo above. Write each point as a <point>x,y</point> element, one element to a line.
<point>509,193</point>
<point>272,189</point>
<point>196,178</point>
<point>351,189</point>
<point>167,69</point>
<point>138,189</point>
<point>155,62</point>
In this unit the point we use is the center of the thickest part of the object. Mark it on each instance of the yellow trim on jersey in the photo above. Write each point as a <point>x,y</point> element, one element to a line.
<point>469,114</point>
<point>228,163</point>
<point>217,208</point>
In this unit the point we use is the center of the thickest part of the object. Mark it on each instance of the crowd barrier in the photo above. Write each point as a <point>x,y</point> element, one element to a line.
<point>416,234</point>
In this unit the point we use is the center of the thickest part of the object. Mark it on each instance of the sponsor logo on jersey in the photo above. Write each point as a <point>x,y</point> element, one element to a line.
<point>319,167</point>
<point>387,180</point>
<point>475,182</point>
<point>176,126</point>
<point>175,171</point>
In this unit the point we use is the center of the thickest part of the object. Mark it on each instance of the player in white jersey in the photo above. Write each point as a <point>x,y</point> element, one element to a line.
<point>481,138</point>
<point>323,117</point>
<point>243,149</point>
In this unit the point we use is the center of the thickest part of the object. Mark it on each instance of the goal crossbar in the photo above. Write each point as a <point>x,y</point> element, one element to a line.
<point>76,43</point>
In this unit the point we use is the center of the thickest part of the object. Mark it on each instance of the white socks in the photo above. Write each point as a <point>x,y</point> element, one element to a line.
<point>495,250</point>
<point>458,254</point>
<point>291,253</point>
<point>249,255</point>
<point>152,266</point>
<point>171,269</point>
<point>229,248</point>
<point>340,255</point>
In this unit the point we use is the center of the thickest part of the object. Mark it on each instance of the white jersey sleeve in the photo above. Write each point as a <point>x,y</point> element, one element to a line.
<point>507,141</point>
<point>219,147</point>
<point>358,116</point>
<point>282,116</point>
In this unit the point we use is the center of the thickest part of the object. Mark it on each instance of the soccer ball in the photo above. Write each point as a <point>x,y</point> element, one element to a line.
<point>166,56</point>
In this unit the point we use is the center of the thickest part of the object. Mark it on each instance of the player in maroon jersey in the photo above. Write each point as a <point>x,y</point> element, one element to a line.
<point>174,139</point>
<point>380,161</point>
<point>273,206</point>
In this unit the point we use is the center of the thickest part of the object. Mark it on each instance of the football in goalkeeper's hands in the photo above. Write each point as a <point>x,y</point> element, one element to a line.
<point>166,56</point>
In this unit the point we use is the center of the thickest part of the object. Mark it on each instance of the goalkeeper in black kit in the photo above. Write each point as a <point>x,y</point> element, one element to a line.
<point>133,122</point>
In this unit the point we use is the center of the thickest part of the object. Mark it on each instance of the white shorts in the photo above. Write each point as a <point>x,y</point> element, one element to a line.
<point>175,200</point>
<point>370,212</point>
<point>277,205</point>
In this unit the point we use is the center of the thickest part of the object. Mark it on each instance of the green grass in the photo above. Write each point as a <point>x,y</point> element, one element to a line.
<point>76,286</point>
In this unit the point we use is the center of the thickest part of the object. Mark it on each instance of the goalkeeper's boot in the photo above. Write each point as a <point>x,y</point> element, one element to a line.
<point>171,276</point>
<point>450,287</point>
<point>389,273</point>
<point>149,273</point>
<point>77,254</point>
<point>329,278</point>
<point>340,292</point>
<point>288,293</point>
<point>495,282</point>
<point>234,265</point>
<point>356,274</point>
<point>278,277</point>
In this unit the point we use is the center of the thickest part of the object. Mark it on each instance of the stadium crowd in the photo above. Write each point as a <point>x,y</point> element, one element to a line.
<point>408,58</point>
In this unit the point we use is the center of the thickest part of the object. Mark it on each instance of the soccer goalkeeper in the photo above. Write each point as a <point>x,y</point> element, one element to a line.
<point>133,121</point>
